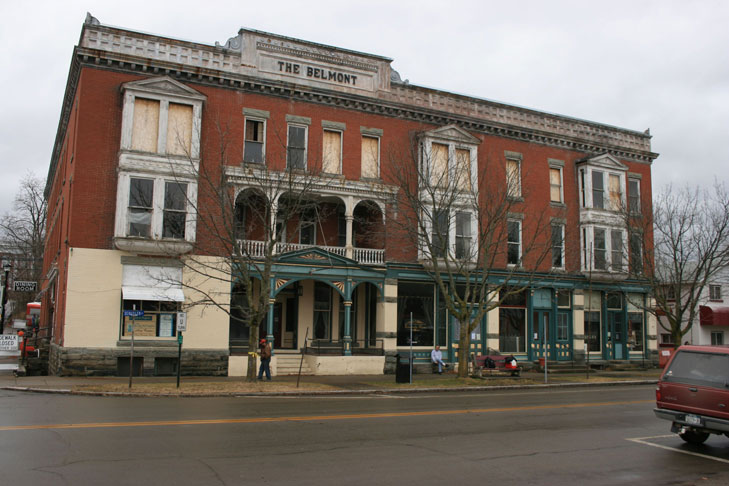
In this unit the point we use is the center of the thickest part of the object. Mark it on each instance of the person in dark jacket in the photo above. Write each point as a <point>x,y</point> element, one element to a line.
<point>264,350</point>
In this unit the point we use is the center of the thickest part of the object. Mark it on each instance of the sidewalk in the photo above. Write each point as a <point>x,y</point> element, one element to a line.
<point>310,385</point>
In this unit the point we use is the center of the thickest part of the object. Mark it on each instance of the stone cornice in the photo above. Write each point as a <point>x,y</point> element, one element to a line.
<point>375,106</point>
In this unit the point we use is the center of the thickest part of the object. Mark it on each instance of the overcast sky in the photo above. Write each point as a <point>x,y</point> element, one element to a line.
<point>662,65</point>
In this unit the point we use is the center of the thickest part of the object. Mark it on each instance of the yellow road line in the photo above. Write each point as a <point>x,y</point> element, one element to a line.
<point>314,418</point>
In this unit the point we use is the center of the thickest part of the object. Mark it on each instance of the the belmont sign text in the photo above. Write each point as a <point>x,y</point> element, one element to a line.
<point>317,73</point>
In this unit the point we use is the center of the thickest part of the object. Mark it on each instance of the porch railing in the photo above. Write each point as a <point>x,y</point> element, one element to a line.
<point>365,256</point>
<point>375,347</point>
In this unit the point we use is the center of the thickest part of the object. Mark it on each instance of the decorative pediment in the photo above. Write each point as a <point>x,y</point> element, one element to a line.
<point>316,256</point>
<point>606,161</point>
<point>163,86</point>
<point>452,133</point>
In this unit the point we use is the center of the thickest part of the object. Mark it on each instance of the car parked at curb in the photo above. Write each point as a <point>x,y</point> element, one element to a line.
<point>693,392</point>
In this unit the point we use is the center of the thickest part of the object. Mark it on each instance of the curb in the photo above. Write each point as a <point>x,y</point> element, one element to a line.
<point>379,391</point>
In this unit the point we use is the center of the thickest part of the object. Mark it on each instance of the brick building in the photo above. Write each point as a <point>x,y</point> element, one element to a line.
<point>146,118</point>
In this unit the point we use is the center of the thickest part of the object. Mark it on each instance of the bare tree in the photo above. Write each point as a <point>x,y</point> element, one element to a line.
<point>248,213</point>
<point>23,232</point>
<point>691,245</point>
<point>445,196</point>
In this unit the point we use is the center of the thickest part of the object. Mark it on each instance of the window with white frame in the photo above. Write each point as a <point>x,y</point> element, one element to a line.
<point>254,148</point>
<point>634,195</point>
<point>439,232</point>
<point>439,165</point>
<point>717,338</point>
<point>557,245</point>
<point>141,206</point>
<point>714,292</point>
<point>616,250</point>
<point>157,208</point>
<point>603,249</point>
<point>513,252</point>
<point>555,183</point>
<point>161,116</point>
<point>463,235</point>
<point>175,210</point>
<point>602,181</point>
<point>513,174</point>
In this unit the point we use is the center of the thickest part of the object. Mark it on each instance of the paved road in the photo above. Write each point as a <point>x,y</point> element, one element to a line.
<point>590,436</point>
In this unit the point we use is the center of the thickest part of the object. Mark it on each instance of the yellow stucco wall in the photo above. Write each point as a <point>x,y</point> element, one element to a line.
<point>93,302</point>
<point>93,298</point>
<point>207,325</point>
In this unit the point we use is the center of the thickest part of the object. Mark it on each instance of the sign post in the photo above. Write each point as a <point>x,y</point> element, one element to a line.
<point>134,313</point>
<point>181,327</point>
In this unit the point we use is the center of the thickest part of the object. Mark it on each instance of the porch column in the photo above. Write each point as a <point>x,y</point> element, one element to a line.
<point>349,247</point>
<point>269,324</point>
<point>274,212</point>
<point>347,329</point>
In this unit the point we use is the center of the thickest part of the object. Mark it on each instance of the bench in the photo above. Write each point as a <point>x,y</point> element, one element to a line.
<point>495,364</point>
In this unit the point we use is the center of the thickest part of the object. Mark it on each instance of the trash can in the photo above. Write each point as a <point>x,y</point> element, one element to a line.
<point>402,368</point>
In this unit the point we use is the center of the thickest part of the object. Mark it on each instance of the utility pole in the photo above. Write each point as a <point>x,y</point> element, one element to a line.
<point>7,266</point>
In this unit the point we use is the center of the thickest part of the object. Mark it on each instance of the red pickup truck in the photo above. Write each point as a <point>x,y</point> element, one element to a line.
<point>693,392</point>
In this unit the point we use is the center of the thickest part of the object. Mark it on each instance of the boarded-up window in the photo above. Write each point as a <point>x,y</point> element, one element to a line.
<point>146,125</point>
<point>179,129</point>
<point>513,178</point>
<point>439,163</point>
<point>332,155</point>
<point>463,169</point>
<point>555,185</point>
<point>370,157</point>
<point>615,193</point>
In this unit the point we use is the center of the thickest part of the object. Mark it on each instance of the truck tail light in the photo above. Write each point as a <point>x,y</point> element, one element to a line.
<point>658,393</point>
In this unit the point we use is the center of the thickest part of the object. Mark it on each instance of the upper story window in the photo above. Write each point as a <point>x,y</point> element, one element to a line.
<point>296,142</point>
<point>254,148</point>
<point>331,162</point>
<point>370,155</point>
<point>714,292</point>
<point>513,174</point>
<point>634,194</point>
<point>463,235</point>
<point>602,183</point>
<point>161,116</point>
<point>448,159</point>
<point>157,208</point>
<point>141,192</point>
<point>557,245</point>
<point>556,192</point>
<point>513,252</point>
<point>603,249</point>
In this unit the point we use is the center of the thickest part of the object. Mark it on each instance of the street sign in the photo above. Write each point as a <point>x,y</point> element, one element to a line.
<point>8,342</point>
<point>133,313</point>
<point>25,286</point>
<point>181,321</point>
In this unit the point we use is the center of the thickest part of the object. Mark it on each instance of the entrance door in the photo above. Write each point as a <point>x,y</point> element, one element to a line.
<point>617,335</point>
<point>543,323</point>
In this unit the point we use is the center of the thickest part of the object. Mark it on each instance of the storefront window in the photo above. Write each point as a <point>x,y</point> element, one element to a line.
<point>512,330</point>
<point>159,319</point>
<point>592,330</point>
<point>635,331</point>
<point>415,299</point>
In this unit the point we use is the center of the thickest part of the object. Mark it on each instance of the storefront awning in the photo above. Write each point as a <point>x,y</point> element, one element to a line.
<point>714,315</point>
<point>147,293</point>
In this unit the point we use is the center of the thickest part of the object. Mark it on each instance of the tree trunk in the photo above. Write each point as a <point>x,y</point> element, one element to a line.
<point>252,352</point>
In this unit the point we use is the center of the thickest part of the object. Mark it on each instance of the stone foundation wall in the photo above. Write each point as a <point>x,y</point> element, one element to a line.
<point>103,361</point>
